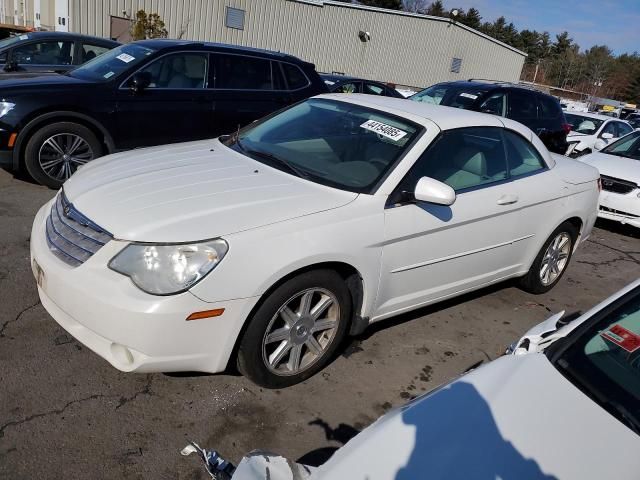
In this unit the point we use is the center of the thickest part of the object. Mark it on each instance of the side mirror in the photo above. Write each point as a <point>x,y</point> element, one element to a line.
<point>140,81</point>
<point>607,136</point>
<point>432,191</point>
<point>600,144</point>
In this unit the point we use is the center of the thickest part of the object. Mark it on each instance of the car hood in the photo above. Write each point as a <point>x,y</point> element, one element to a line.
<point>24,80</point>
<point>577,134</point>
<point>191,191</point>
<point>516,417</point>
<point>614,166</point>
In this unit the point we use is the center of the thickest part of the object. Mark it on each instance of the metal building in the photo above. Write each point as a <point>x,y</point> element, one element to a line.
<point>391,46</point>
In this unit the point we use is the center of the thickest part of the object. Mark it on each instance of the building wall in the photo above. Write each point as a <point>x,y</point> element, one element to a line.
<point>405,49</point>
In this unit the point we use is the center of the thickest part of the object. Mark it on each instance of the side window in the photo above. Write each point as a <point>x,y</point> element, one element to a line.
<point>610,127</point>
<point>623,129</point>
<point>295,77</point>
<point>3,57</point>
<point>89,52</point>
<point>522,106</point>
<point>179,70</point>
<point>347,88</point>
<point>522,157</point>
<point>463,158</point>
<point>44,53</point>
<point>549,107</point>
<point>238,72</point>
<point>495,104</point>
<point>372,89</point>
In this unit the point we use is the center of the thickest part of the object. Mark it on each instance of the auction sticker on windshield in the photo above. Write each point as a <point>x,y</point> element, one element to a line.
<point>125,57</point>
<point>622,337</point>
<point>383,129</point>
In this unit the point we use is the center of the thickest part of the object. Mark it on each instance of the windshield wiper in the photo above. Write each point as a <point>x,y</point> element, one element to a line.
<point>281,161</point>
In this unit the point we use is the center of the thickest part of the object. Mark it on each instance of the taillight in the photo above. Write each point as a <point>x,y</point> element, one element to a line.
<point>566,127</point>
<point>599,184</point>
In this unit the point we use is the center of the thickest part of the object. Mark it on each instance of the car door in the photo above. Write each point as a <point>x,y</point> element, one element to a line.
<point>432,252</point>
<point>43,56</point>
<point>174,107</point>
<point>245,88</point>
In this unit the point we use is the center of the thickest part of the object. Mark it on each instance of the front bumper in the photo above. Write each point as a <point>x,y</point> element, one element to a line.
<point>620,208</point>
<point>132,330</point>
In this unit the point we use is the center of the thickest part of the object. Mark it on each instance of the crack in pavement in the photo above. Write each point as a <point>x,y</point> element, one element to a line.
<point>630,255</point>
<point>145,391</point>
<point>17,317</point>
<point>45,414</point>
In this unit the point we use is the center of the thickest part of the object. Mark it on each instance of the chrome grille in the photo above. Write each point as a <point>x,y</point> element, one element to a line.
<point>617,185</point>
<point>71,236</point>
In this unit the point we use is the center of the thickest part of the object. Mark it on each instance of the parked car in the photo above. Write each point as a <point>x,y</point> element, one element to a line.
<point>345,84</point>
<point>541,412</point>
<point>619,166</point>
<point>50,51</point>
<point>145,93</point>
<point>537,110</point>
<point>275,242</point>
<point>592,131</point>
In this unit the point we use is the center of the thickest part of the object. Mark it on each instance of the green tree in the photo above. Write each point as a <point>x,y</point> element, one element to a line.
<point>471,18</point>
<point>436,9</point>
<point>148,26</point>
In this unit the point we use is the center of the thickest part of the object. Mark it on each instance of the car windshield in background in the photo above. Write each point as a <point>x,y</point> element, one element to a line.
<point>335,143</point>
<point>604,361</point>
<point>580,124</point>
<point>111,63</point>
<point>449,95</point>
<point>627,146</point>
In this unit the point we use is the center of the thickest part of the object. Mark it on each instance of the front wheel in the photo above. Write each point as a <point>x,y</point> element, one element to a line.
<point>296,330</point>
<point>56,151</point>
<point>552,260</point>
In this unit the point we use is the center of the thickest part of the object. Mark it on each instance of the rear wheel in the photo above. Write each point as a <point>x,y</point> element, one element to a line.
<point>552,260</point>
<point>57,150</point>
<point>296,330</point>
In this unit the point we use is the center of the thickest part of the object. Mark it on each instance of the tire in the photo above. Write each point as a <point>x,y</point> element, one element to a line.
<point>278,338</point>
<point>62,147</point>
<point>534,281</point>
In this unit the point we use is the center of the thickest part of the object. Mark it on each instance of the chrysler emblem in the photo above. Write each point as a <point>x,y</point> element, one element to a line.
<point>66,210</point>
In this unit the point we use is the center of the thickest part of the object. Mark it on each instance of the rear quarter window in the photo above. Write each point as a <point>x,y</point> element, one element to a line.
<point>295,77</point>
<point>549,108</point>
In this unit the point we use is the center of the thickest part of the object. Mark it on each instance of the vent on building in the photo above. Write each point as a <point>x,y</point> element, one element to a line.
<point>456,63</point>
<point>235,18</point>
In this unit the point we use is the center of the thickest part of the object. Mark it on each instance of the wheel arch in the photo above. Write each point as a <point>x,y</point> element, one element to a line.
<point>353,280</point>
<point>59,116</point>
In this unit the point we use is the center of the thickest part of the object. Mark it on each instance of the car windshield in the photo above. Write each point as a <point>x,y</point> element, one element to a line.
<point>112,63</point>
<point>334,143</point>
<point>582,124</point>
<point>449,95</point>
<point>11,40</point>
<point>627,146</point>
<point>604,359</point>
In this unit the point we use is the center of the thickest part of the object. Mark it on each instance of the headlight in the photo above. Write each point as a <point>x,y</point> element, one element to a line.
<point>6,107</point>
<point>168,269</point>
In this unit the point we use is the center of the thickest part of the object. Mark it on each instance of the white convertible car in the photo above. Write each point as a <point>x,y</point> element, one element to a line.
<point>565,405</point>
<point>619,166</point>
<point>270,245</point>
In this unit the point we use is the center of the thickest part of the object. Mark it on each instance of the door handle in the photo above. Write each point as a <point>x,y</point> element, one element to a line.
<point>507,199</point>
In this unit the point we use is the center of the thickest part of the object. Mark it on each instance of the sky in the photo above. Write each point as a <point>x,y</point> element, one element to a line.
<point>615,23</point>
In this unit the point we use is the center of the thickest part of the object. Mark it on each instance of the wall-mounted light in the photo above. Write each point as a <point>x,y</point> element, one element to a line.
<point>364,36</point>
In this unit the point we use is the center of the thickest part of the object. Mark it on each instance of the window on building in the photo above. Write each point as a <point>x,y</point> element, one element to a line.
<point>456,63</point>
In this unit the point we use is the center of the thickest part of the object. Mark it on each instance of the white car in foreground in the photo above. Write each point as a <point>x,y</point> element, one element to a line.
<point>619,166</point>
<point>564,405</point>
<point>591,132</point>
<point>270,245</point>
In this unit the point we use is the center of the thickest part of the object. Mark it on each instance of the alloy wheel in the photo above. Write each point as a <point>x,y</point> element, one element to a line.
<point>301,331</point>
<point>555,258</point>
<point>60,155</point>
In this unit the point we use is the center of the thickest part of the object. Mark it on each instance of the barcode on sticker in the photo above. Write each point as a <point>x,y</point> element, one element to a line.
<point>468,95</point>
<point>383,129</point>
<point>125,57</point>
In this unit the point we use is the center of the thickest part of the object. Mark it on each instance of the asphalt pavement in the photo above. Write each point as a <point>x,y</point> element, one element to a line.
<point>66,413</point>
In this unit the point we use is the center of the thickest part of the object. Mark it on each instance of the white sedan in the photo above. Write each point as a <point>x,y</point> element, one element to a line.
<point>565,405</point>
<point>619,166</point>
<point>591,132</point>
<point>270,245</point>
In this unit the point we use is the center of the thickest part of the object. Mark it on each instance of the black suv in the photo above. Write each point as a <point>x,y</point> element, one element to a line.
<point>50,51</point>
<point>145,93</point>
<point>537,110</point>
